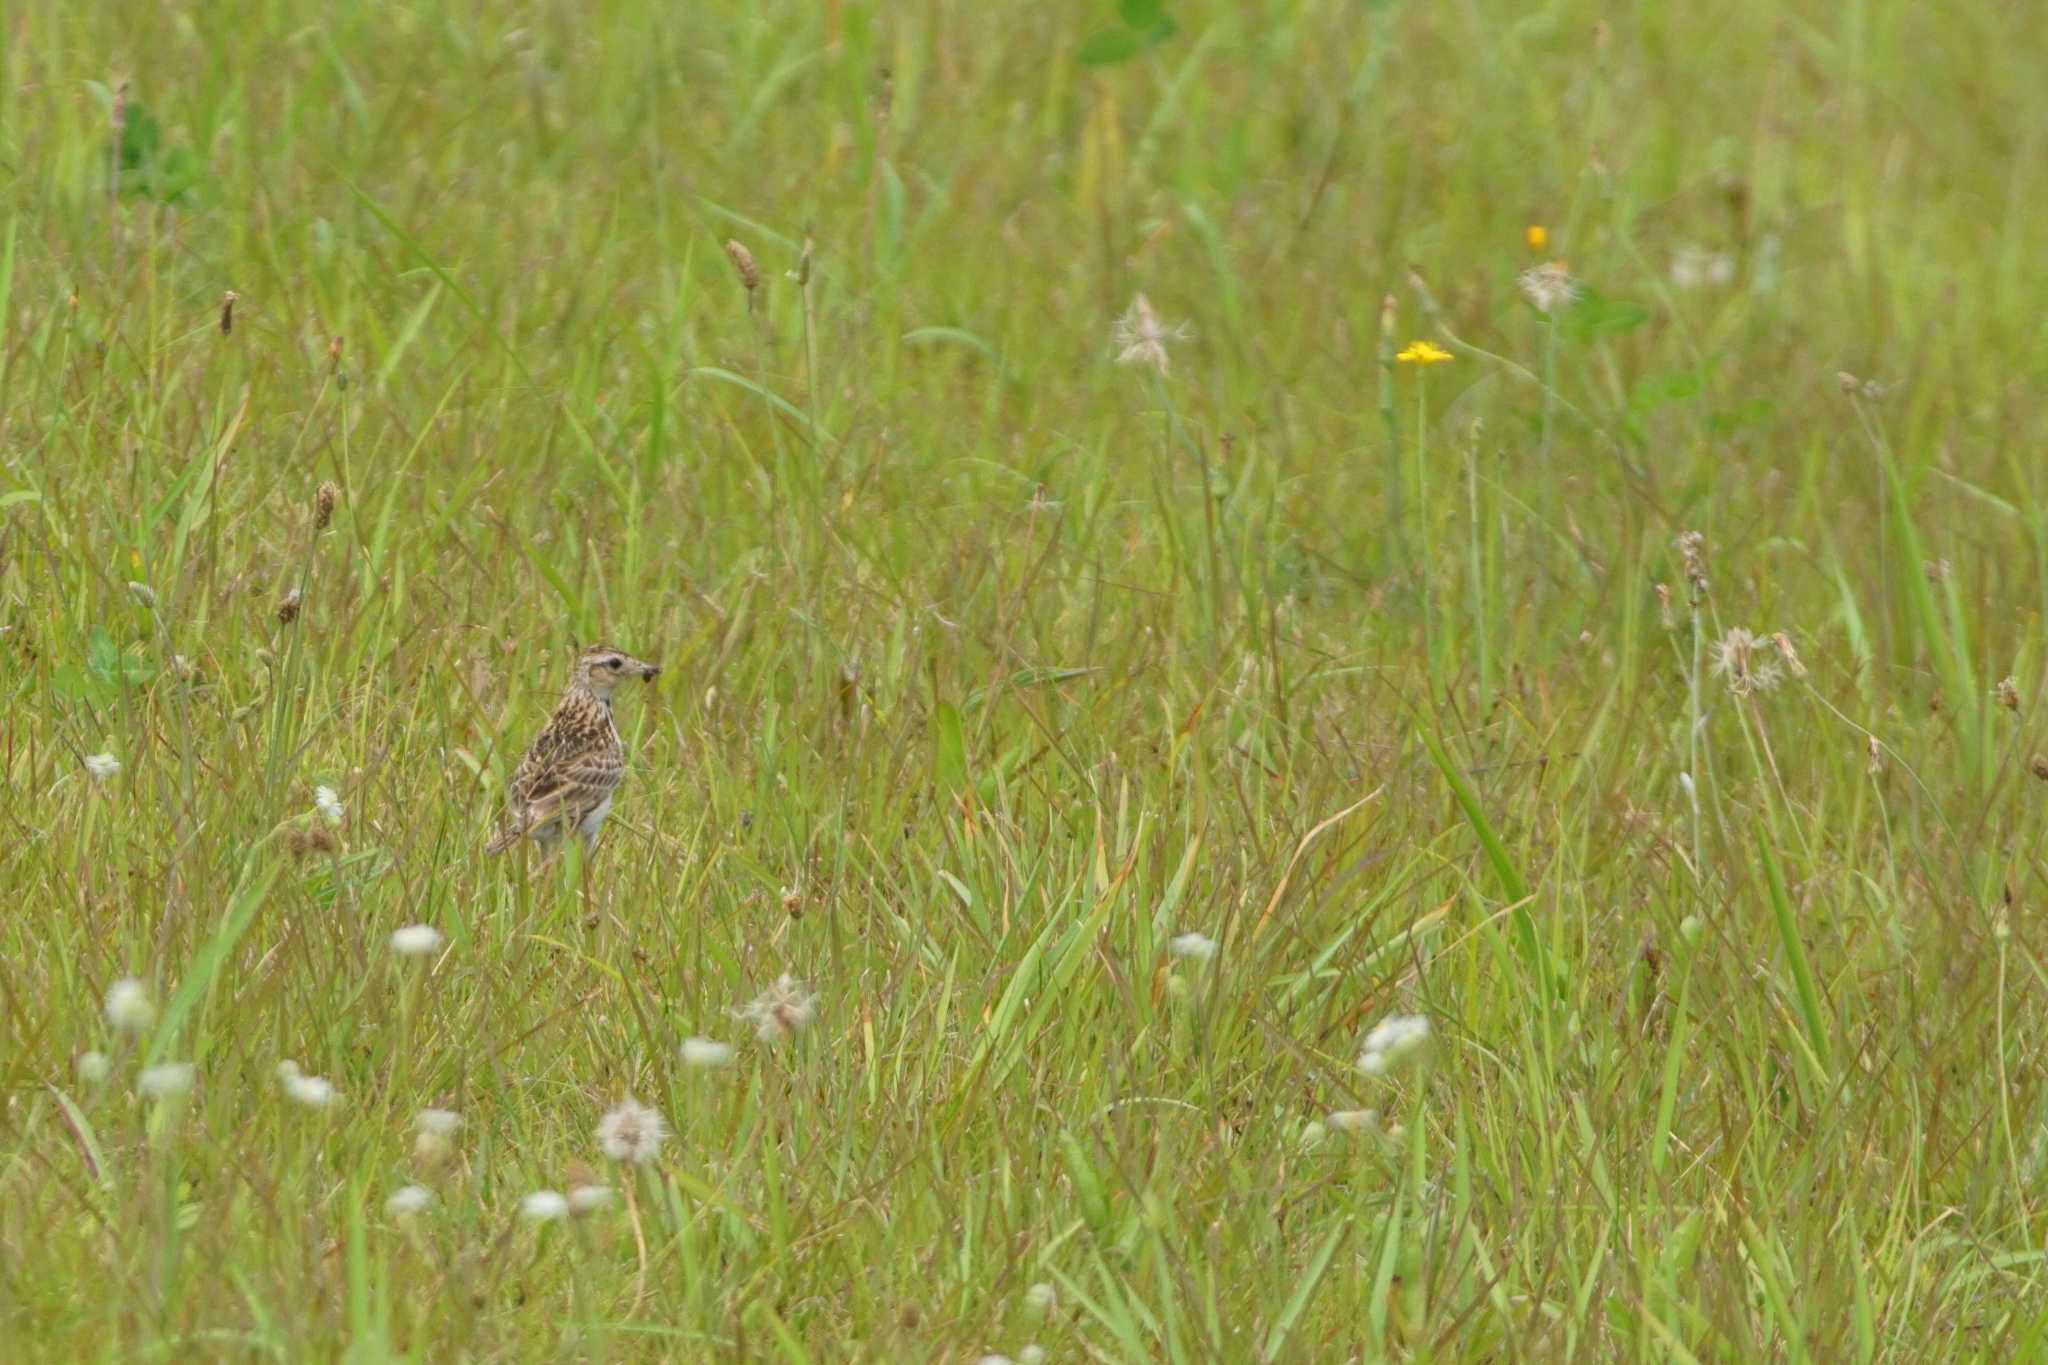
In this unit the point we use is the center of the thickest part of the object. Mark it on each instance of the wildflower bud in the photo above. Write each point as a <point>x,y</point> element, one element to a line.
<point>1389,310</point>
<point>2007,693</point>
<point>334,355</point>
<point>1873,762</point>
<point>1692,553</point>
<point>1537,236</point>
<point>1664,614</point>
<point>227,312</point>
<point>802,273</point>
<point>1847,383</point>
<point>743,264</point>
<point>324,502</point>
<point>288,607</point>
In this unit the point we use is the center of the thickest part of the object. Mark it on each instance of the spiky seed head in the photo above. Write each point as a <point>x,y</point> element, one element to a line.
<point>288,606</point>
<point>325,499</point>
<point>743,265</point>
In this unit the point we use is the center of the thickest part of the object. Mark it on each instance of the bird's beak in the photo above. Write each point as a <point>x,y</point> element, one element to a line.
<point>650,671</point>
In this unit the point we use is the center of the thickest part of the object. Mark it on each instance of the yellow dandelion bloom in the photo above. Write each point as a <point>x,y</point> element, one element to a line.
<point>1537,236</point>
<point>1424,353</point>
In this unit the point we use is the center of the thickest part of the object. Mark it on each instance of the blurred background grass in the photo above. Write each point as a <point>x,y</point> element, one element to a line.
<point>992,665</point>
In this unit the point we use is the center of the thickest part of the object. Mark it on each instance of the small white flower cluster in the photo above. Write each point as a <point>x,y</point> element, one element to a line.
<point>1393,1038</point>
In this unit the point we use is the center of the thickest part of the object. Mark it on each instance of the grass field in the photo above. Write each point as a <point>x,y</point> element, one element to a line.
<point>995,667</point>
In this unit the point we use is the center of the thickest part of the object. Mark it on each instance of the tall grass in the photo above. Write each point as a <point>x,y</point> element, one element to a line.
<point>992,666</point>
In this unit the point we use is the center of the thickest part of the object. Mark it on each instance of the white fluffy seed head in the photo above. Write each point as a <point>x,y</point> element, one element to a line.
<point>416,940</point>
<point>706,1052</point>
<point>1197,947</point>
<point>1393,1038</point>
<point>781,1010</point>
<point>164,1081</point>
<point>329,805</point>
<point>543,1206</point>
<point>408,1199</point>
<point>103,767</point>
<point>128,1007</point>
<point>93,1067</point>
<point>1033,1354</point>
<point>1041,1299</point>
<point>314,1092</point>
<point>586,1199</point>
<point>631,1132</point>
<point>439,1122</point>
<point>1353,1120</point>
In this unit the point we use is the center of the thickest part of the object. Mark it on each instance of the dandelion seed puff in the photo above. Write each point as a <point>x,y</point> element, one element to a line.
<point>1199,947</point>
<point>1397,1035</point>
<point>1353,1120</point>
<point>164,1081</point>
<point>416,940</point>
<point>589,1198</point>
<point>781,1010</point>
<point>314,1092</point>
<point>706,1053</point>
<point>631,1132</point>
<point>1041,1299</point>
<point>128,1007</point>
<point>1141,338</point>
<point>1738,657</point>
<point>1033,1354</point>
<point>408,1199</point>
<point>438,1122</point>
<point>93,1067</point>
<point>103,767</point>
<point>543,1206</point>
<point>329,805</point>
<point>1549,287</point>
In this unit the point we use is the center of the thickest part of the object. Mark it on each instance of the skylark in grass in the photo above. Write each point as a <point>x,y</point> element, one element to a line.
<point>567,778</point>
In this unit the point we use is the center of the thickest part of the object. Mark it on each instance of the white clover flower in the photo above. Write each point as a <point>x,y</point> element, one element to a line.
<point>706,1052</point>
<point>589,1198</point>
<point>1354,1120</point>
<point>103,767</point>
<point>416,940</point>
<point>408,1199</point>
<point>162,1082</point>
<point>128,1007</point>
<point>93,1067</point>
<point>438,1122</point>
<point>1199,947</point>
<point>543,1206</point>
<point>329,805</point>
<point>631,1132</point>
<point>783,1009</point>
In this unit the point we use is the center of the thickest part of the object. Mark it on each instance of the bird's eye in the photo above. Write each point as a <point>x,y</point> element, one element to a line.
<point>615,662</point>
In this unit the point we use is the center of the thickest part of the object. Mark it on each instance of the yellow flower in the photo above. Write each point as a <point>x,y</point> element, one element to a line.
<point>1424,353</point>
<point>1537,236</point>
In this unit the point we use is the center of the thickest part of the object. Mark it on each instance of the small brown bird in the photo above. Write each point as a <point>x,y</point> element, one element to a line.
<point>567,778</point>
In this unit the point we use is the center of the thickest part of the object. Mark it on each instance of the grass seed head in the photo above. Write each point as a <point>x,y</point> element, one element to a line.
<point>743,265</point>
<point>325,499</point>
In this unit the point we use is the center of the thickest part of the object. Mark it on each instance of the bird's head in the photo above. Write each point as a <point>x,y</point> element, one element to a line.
<point>600,669</point>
